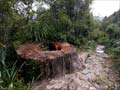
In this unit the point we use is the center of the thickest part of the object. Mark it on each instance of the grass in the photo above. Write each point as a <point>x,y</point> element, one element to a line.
<point>8,74</point>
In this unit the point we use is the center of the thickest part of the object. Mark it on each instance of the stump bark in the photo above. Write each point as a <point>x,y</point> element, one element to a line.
<point>53,63</point>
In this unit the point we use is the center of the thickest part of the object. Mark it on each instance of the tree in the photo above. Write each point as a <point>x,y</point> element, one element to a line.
<point>71,18</point>
<point>113,31</point>
<point>14,16</point>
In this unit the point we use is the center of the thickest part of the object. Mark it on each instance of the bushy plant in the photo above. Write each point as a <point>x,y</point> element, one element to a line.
<point>113,31</point>
<point>34,32</point>
<point>32,70</point>
<point>113,48</point>
<point>74,40</point>
<point>8,74</point>
<point>90,45</point>
<point>99,36</point>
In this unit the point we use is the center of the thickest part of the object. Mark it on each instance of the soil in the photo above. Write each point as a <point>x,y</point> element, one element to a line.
<point>98,73</point>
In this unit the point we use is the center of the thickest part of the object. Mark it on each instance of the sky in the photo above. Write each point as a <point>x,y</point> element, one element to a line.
<point>104,8</point>
<point>100,8</point>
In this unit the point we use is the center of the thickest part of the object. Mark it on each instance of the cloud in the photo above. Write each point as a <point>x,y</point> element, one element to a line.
<point>105,7</point>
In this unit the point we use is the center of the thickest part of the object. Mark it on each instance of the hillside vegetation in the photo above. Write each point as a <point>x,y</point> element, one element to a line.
<point>60,21</point>
<point>111,26</point>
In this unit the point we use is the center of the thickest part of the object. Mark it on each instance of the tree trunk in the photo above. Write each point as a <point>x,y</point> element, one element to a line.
<point>11,54</point>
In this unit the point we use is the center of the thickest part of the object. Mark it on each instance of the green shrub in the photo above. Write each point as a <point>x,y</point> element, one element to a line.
<point>33,32</point>
<point>20,85</point>
<point>113,46</point>
<point>73,40</point>
<point>32,70</point>
<point>89,45</point>
<point>8,73</point>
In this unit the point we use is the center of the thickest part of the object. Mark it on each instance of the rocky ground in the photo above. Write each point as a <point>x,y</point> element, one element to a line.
<point>98,74</point>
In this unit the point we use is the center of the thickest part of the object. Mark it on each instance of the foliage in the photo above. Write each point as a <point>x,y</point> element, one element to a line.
<point>64,21</point>
<point>90,45</point>
<point>114,49</point>
<point>99,36</point>
<point>32,70</point>
<point>114,18</point>
<point>112,29</point>
<point>8,74</point>
<point>20,85</point>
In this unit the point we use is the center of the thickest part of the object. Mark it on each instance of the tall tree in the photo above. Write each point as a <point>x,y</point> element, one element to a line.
<point>13,15</point>
<point>79,21</point>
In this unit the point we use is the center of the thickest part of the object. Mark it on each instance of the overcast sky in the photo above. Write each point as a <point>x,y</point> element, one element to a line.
<point>105,7</point>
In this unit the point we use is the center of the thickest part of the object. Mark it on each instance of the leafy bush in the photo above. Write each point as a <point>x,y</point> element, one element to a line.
<point>114,49</point>
<point>73,40</point>
<point>8,73</point>
<point>19,85</point>
<point>99,36</point>
<point>32,70</point>
<point>90,45</point>
<point>34,32</point>
<point>113,31</point>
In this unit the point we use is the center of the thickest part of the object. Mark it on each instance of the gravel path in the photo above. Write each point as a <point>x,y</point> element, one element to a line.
<point>98,74</point>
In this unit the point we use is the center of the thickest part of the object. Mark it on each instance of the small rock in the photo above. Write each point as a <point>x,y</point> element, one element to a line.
<point>92,88</point>
<point>49,87</point>
<point>71,86</point>
<point>85,71</point>
<point>76,81</point>
<point>79,88</point>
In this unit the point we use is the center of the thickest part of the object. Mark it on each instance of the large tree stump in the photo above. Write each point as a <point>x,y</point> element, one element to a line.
<point>61,58</point>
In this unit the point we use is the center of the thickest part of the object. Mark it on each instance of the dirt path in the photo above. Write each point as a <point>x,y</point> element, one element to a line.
<point>98,74</point>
